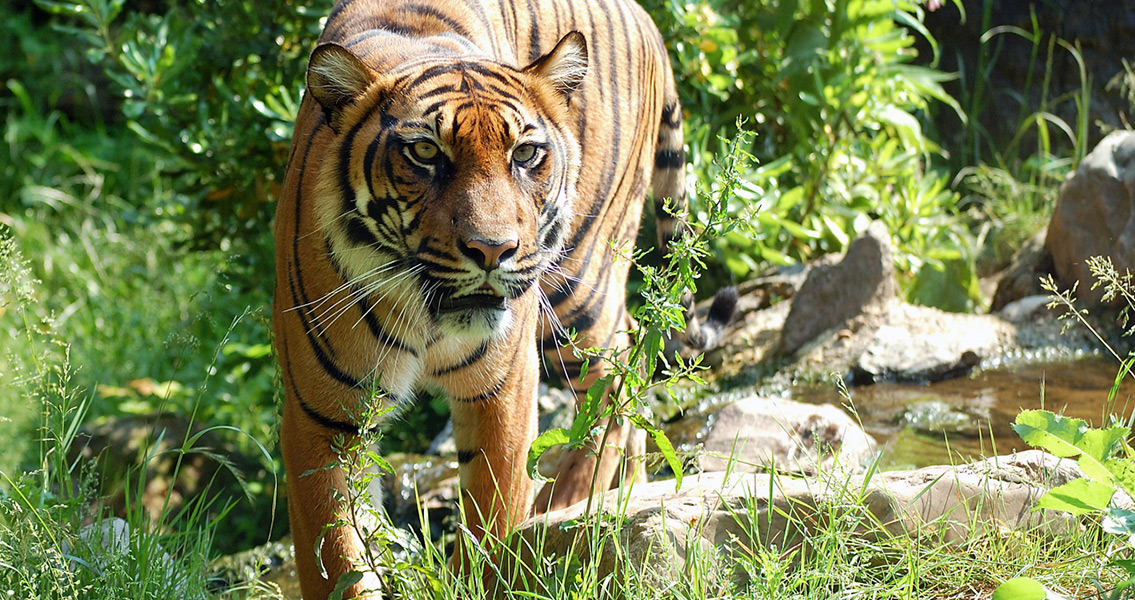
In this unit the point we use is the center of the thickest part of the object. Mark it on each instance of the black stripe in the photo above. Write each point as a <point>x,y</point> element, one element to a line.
<point>430,11</point>
<point>359,234</point>
<point>483,396</point>
<point>326,422</point>
<point>669,159</point>
<point>468,360</point>
<point>669,118</point>
<point>379,333</point>
<point>427,75</point>
<point>320,419</point>
<point>325,361</point>
<point>339,7</point>
<point>533,33</point>
<point>301,298</point>
<point>494,72</point>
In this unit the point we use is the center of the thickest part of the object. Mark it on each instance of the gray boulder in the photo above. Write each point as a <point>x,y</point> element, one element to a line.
<point>755,434</point>
<point>833,294</point>
<point>714,515</point>
<point>1021,278</point>
<point>1095,215</point>
<point>919,343</point>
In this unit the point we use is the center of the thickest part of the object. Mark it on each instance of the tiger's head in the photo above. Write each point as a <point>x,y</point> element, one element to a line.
<point>449,184</point>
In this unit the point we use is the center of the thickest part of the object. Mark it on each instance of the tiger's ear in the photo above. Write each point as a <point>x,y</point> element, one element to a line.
<point>565,66</point>
<point>336,78</point>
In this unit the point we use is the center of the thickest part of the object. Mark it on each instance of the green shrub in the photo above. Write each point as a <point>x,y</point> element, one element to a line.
<point>1010,181</point>
<point>831,91</point>
<point>212,87</point>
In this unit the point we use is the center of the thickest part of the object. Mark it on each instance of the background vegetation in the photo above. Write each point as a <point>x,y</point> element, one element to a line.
<point>143,144</point>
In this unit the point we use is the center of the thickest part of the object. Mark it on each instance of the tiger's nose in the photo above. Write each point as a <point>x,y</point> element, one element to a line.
<point>489,254</point>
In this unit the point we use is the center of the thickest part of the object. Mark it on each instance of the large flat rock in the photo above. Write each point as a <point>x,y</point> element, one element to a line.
<point>660,529</point>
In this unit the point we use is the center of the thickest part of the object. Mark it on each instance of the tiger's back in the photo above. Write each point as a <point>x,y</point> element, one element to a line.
<point>459,176</point>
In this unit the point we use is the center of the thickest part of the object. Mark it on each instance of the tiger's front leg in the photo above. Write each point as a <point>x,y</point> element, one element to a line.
<point>493,428</point>
<point>314,487</point>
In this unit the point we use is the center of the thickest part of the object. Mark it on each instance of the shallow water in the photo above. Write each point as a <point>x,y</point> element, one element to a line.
<point>985,405</point>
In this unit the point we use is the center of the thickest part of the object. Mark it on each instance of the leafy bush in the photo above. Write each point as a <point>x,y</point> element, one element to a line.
<point>831,92</point>
<point>213,87</point>
<point>1010,184</point>
<point>153,325</point>
<point>49,547</point>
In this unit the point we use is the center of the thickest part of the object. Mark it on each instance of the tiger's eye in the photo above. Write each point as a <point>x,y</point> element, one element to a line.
<point>424,151</point>
<point>524,153</point>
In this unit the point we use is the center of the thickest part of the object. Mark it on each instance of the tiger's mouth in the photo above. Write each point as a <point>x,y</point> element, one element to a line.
<point>472,302</point>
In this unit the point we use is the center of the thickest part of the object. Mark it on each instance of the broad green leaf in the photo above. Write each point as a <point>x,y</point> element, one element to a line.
<point>1099,443</point>
<point>1079,496</point>
<point>1020,588</point>
<point>1126,564</point>
<point>346,580</point>
<point>652,344</point>
<point>1066,437</point>
<point>588,412</point>
<point>1055,433</point>
<point>540,445</point>
<point>664,446</point>
<point>1119,522</point>
<point>1123,473</point>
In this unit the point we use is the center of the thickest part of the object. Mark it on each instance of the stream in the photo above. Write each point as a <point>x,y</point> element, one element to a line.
<point>965,418</point>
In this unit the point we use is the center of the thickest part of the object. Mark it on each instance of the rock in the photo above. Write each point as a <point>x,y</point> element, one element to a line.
<point>272,564</point>
<point>443,443</point>
<point>756,433</point>
<point>1095,215</point>
<point>418,482</point>
<point>108,537</point>
<point>752,339</point>
<point>920,343</point>
<point>1022,277</point>
<point>105,544</point>
<point>832,295</point>
<point>713,514</point>
<point>908,343</point>
<point>938,417</point>
<point>1025,310</point>
<point>954,501</point>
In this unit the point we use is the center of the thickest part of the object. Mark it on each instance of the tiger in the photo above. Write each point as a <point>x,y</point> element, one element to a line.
<point>461,176</point>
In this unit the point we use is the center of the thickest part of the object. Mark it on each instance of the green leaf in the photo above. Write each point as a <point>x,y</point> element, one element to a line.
<point>664,446</point>
<point>540,445</point>
<point>1119,522</point>
<point>1066,437</point>
<point>1079,496</point>
<point>1052,432</point>
<point>1020,588</point>
<point>1123,473</point>
<point>1126,564</point>
<point>346,580</point>
<point>588,412</point>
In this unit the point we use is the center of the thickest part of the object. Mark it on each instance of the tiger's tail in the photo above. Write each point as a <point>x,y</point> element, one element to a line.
<point>670,206</point>
<point>668,183</point>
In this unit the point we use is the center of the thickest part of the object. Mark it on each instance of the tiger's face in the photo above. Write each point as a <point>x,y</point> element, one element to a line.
<point>450,189</point>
